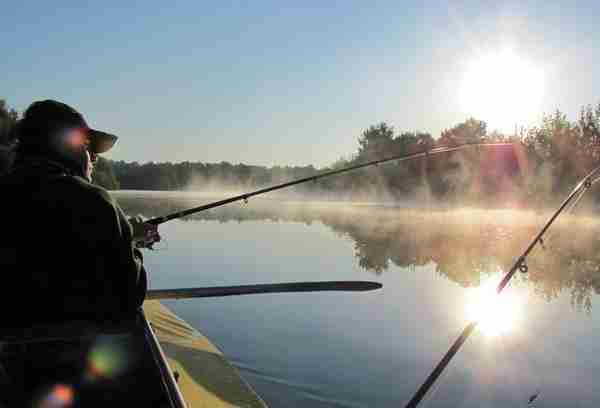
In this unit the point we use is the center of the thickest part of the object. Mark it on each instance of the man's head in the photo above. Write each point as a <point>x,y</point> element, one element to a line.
<point>54,130</point>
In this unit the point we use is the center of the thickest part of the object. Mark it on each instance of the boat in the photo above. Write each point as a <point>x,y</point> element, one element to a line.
<point>205,377</point>
<point>153,359</point>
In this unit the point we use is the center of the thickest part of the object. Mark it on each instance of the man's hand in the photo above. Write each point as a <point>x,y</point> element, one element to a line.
<point>144,234</point>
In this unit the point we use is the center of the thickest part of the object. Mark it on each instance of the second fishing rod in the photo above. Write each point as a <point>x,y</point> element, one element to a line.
<point>520,264</point>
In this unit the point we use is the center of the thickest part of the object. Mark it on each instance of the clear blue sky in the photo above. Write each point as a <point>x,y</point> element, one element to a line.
<point>275,83</point>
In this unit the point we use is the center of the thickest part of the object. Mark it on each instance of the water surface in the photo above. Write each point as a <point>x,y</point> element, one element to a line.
<point>374,349</point>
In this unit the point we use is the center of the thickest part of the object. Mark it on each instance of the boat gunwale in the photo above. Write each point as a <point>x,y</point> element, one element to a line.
<point>160,360</point>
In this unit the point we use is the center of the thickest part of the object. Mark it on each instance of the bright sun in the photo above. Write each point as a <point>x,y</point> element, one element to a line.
<point>502,89</point>
<point>496,314</point>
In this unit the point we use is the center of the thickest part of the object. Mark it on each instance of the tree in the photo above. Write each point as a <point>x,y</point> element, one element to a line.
<point>406,176</point>
<point>589,140</point>
<point>8,118</point>
<point>375,142</point>
<point>104,175</point>
<point>469,131</point>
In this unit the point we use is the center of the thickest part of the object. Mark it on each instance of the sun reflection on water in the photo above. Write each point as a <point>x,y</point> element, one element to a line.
<point>496,314</point>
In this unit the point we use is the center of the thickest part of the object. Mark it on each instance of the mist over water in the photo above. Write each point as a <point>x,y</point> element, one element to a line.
<point>374,349</point>
<point>484,175</point>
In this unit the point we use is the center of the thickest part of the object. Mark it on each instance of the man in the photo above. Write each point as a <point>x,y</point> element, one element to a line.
<point>67,251</point>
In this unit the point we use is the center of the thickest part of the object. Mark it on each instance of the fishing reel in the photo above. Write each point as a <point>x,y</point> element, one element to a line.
<point>145,235</point>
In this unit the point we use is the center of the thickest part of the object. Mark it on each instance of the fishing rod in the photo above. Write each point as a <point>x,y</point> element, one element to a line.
<point>521,265</point>
<point>244,197</point>
<point>219,291</point>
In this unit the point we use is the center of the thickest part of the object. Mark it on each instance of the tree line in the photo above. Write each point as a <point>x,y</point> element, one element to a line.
<point>543,160</point>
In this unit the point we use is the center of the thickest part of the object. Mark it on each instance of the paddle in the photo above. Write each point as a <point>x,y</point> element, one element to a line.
<point>218,291</point>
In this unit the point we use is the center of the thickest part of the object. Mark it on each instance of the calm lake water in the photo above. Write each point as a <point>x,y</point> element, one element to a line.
<point>374,349</point>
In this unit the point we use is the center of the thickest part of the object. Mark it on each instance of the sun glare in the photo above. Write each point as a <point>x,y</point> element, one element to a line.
<point>496,314</point>
<point>502,89</point>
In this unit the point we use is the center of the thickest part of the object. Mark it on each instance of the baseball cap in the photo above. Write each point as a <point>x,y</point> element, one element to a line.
<point>44,117</point>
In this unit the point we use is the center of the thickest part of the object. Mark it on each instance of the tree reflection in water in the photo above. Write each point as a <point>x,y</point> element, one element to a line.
<point>466,246</point>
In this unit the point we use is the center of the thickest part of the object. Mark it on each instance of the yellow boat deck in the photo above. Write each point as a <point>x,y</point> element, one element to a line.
<point>206,378</point>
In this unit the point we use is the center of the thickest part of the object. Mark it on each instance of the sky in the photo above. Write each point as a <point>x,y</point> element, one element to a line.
<point>295,83</point>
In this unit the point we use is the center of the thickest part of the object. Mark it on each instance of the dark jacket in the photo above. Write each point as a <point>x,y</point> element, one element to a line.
<point>66,249</point>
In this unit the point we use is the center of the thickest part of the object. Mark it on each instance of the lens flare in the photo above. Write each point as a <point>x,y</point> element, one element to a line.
<point>76,137</point>
<point>108,358</point>
<point>59,396</point>
<point>496,313</point>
